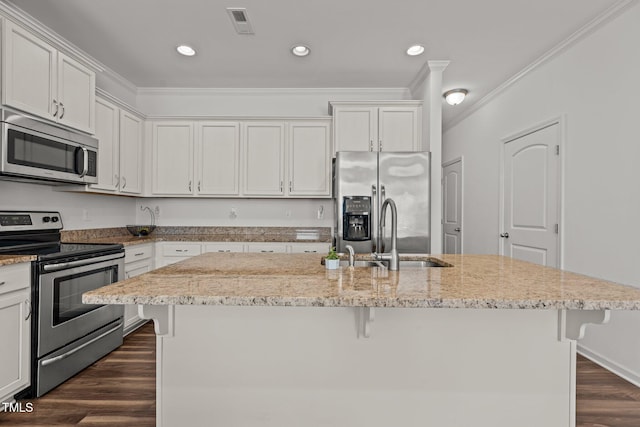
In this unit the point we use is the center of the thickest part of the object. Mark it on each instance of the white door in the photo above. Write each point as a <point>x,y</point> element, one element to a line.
<point>452,208</point>
<point>355,128</point>
<point>130,153</point>
<point>399,129</point>
<point>309,159</point>
<point>172,158</point>
<point>28,72</point>
<point>218,158</point>
<point>531,190</point>
<point>107,125</point>
<point>76,94</point>
<point>263,159</point>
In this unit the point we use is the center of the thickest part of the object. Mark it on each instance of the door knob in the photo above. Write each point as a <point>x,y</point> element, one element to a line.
<point>505,235</point>
<point>458,229</point>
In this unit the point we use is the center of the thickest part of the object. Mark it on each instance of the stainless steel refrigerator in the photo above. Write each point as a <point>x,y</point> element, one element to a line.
<point>362,182</point>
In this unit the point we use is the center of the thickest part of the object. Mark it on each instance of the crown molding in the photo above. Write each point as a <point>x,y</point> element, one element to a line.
<point>118,102</point>
<point>267,91</point>
<point>615,10</point>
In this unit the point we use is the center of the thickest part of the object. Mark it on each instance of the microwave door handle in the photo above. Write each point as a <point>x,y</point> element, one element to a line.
<point>85,162</point>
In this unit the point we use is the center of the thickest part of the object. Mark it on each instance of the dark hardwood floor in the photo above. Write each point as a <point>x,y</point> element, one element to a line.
<point>119,391</point>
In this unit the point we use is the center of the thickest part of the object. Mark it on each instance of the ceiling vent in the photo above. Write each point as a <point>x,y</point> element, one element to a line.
<point>240,20</point>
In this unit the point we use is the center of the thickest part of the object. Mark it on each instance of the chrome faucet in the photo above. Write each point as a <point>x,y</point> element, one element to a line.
<point>352,255</point>
<point>392,256</point>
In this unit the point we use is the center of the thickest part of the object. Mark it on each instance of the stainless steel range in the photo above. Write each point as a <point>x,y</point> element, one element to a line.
<point>67,335</point>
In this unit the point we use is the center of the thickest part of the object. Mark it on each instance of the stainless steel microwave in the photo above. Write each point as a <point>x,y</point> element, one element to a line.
<point>36,150</point>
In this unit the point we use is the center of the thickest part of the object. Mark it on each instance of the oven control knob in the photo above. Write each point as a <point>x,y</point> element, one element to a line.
<point>54,219</point>
<point>46,219</point>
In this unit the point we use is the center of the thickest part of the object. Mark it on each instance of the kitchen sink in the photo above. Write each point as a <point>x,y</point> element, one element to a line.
<point>403,263</point>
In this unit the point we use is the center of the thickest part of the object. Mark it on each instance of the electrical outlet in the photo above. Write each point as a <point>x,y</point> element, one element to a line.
<point>156,210</point>
<point>233,214</point>
<point>287,213</point>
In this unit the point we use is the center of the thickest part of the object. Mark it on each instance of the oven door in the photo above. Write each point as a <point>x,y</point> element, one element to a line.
<point>62,317</point>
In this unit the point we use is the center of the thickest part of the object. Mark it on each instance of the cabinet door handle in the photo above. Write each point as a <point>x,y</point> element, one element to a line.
<point>265,251</point>
<point>380,145</point>
<point>224,250</point>
<point>124,182</point>
<point>2,283</point>
<point>55,104</point>
<point>189,186</point>
<point>281,186</point>
<point>371,145</point>
<point>117,178</point>
<point>310,252</point>
<point>180,250</point>
<point>62,112</point>
<point>290,186</point>
<point>139,254</point>
<point>198,186</point>
<point>28,304</point>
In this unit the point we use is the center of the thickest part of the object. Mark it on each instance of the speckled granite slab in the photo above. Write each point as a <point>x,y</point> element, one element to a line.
<point>15,259</point>
<point>473,281</point>
<point>201,234</point>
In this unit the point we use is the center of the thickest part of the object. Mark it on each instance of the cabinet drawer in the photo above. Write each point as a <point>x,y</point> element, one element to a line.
<point>224,247</point>
<point>267,247</point>
<point>136,269</point>
<point>15,277</point>
<point>306,248</point>
<point>137,253</point>
<point>181,249</point>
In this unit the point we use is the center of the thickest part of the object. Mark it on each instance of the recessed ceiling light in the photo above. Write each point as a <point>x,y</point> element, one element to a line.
<point>455,96</point>
<point>415,50</point>
<point>186,50</point>
<point>300,50</point>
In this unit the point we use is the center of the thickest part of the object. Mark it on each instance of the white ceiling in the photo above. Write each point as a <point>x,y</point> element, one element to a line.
<point>354,43</point>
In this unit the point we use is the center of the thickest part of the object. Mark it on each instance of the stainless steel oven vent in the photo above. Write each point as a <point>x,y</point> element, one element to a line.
<point>240,20</point>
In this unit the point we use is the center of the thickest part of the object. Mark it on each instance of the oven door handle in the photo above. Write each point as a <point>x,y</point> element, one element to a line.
<point>77,349</point>
<point>89,261</point>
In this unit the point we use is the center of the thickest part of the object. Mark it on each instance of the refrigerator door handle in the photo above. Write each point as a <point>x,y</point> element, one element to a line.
<point>374,220</point>
<point>383,194</point>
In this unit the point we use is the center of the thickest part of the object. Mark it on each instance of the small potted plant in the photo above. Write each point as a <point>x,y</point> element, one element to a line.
<point>332,260</point>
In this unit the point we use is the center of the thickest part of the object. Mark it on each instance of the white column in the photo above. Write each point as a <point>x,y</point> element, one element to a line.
<point>432,141</point>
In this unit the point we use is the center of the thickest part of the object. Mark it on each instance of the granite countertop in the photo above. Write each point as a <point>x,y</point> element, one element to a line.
<point>473,281</point>
<point>15,259</point>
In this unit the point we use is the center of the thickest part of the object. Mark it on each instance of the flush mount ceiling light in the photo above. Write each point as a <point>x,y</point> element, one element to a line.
<point>415,50</point>
<point>186,50</point>
<point>455,96</point>
<point>300,50</point>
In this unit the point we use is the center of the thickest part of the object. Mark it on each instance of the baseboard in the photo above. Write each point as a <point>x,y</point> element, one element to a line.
<point>134,326</point>
<point>610,365</point>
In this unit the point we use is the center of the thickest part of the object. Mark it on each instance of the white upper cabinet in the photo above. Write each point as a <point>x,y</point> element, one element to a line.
<point>107,133</point>
<point>309,159</point>
<point>38,79</point>
<point>119,135</point>
<point>218,158</point>
<point>172,158</point>
<point>263,151</point>
<point>130,153</point>
<point>362,126</point>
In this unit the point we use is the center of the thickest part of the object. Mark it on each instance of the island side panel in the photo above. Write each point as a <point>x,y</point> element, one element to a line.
<point>292,366</point>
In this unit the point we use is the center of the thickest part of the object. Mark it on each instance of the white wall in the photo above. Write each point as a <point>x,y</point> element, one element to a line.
<point>249,212</point>
<point>594,86</point>
<point>101,211</point>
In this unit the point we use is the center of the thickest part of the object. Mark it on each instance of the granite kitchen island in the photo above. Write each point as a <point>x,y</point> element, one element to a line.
<point>277,340</point>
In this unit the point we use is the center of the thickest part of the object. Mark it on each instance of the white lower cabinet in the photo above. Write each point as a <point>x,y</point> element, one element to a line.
<point>172,252</point>
<point>138,259</point>
<point>224,247</point>
<point>267,247</point>
<point>15,329</point>
<point>309,248</point>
